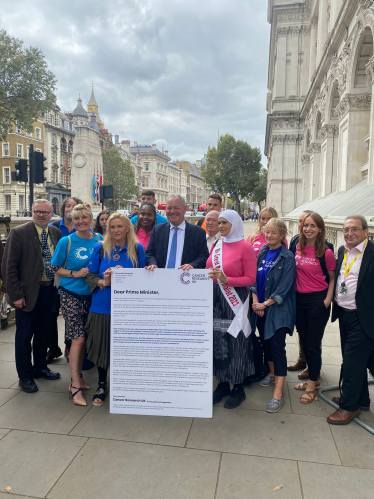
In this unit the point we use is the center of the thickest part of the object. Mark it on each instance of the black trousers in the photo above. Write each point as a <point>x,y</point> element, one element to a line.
<point>35,326</point>
<point>357,348</point>
<point>274,347</point>
<point>311,319</point>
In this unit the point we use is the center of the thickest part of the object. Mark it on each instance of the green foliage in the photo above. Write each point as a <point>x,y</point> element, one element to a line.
<point>26,85</point>
<point>260,191</point>
<point>120,174</point>
<point>233,168</point>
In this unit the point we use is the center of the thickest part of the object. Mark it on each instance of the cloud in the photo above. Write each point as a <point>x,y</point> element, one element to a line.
<point>173,71</point>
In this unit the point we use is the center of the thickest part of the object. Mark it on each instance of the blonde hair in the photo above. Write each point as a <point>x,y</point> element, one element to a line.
<point>131,239</point>
<point>258,230</point>
<point>81,209</point>
<point>278,225</point>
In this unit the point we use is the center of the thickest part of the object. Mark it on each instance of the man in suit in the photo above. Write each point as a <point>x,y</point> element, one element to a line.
<point>30,286</point>
<point>177,244</point>
<point>353,304</point>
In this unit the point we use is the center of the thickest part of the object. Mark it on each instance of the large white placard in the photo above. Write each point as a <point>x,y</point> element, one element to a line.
<point>161,342</point>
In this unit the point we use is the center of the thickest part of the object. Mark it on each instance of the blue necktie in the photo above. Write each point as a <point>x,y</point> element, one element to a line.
<point>173,250</point>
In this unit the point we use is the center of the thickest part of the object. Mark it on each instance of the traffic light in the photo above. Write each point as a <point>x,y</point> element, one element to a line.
<point>39,168</point>
<point>20,175</point>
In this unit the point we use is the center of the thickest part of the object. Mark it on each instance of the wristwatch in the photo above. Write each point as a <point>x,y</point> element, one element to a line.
<point>266,305</point>
<point>71,273</point>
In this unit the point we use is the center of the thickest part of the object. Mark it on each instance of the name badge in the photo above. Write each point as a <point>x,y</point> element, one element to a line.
<point>343,290</point>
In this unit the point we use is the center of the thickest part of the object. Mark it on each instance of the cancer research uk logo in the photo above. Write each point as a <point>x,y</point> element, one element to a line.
<point>184,278</point>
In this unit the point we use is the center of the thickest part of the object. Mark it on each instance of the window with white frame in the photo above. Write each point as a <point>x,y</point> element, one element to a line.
<point>146,167</point>
<point>19,150</point>
<point>53,138</point>
<point>38,134</point>
<point>6,175</point>
<point>21,203</point>
<point>6,149</point>
<point>8,202</point>
<point>66,125</point>
<point>28,152</point>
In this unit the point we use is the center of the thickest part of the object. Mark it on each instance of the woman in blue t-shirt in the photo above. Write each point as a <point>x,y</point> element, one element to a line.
<point>120,249</point>
<point>274,306</point>
<point>70,260</point>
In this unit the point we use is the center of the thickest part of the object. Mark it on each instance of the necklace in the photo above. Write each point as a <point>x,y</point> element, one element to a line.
<point>116,255</point>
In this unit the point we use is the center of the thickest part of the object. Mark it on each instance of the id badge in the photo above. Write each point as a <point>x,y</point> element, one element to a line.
<point>47,265</point>
<point>343,290</point>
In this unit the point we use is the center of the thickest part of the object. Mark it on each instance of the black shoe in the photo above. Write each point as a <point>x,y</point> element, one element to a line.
<point>46,374</point>
<point>222,390</point>
<point>28,385</point>
<point>236,398</point>
<point>53,353</point>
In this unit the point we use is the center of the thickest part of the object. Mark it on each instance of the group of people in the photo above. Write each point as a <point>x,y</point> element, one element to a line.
<point>258,283</point>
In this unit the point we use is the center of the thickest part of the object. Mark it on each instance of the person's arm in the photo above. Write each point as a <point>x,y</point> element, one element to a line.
<point>141,257</point>
<point>202,251</point>
<point>331,266</point>
<point>150,256</point>
<point>93,280</point>
<point>286,281</point>
<point>12,257</point>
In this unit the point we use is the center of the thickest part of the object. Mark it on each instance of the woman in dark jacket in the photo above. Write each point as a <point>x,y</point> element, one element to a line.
<point>274,306</point>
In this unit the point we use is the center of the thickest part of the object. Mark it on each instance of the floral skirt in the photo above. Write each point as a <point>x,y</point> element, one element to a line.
<point>233,358</point>
<point>75,311</point>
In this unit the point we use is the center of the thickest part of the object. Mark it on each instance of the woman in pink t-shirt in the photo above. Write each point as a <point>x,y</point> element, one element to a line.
<point>315,266</point>
<point>257,239</point>
<point>145,223</point>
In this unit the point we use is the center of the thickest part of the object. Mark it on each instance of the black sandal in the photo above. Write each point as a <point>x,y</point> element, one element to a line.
<point>72,395</point>
<point>100,396</point>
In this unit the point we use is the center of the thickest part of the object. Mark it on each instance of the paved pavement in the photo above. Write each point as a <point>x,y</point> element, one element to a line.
<point>52,448</point>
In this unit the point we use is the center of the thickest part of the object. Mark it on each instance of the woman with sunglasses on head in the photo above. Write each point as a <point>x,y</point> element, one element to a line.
<point>257,238</point>
<point>315,274</point>
<point>145,223</point>
<point>101,221</point>
<point>70,260</point>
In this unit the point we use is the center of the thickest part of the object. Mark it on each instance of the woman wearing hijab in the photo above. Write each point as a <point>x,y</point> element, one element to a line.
<point>232,263</point>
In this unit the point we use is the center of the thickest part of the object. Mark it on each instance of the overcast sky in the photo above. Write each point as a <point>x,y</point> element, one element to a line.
<point>164,71</point>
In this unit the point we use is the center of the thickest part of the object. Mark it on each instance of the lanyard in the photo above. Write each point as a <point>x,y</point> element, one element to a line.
<point>347,269</point>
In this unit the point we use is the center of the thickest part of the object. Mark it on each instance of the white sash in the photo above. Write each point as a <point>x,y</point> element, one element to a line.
<point>240,321</point>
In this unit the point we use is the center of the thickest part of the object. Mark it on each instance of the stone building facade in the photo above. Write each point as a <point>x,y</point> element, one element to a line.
<point>320,115</point>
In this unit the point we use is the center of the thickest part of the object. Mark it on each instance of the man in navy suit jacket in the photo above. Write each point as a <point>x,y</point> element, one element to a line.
<point>191,247</point>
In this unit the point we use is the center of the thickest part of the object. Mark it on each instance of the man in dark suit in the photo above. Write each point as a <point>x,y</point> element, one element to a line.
<point>353,306</point>
<point>30,286</point>
<point>177,244</point>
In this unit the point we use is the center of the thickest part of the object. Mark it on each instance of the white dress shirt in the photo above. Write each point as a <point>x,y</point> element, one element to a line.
<point>348,300</point>
<point>180,243</point>
<point>211,240</point>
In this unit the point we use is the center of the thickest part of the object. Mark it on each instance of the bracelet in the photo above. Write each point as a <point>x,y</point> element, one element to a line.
<point>71,274</point>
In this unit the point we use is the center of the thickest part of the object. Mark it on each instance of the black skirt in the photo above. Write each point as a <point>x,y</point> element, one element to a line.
<point>233,358</point>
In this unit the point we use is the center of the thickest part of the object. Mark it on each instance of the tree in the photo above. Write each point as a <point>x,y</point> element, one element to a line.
<point>26,85</point>
<point>233,168</point>
<point>120,174</point>
<point>260,191</point>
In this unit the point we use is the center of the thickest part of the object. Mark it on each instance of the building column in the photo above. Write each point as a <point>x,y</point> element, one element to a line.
<point>280,80</point>
<point>313,49</point>
<point>314,171</point>
<point>304,61</point>
<point>305,159</point>
<point>294,76</point>
<point>323,19</point>
<point>370,72</point>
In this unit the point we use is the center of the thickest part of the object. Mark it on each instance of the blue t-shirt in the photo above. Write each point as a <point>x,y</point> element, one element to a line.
<point>101,297</point>
<point>159,219</point>
<point>263,270</point>
<point>79,255</point>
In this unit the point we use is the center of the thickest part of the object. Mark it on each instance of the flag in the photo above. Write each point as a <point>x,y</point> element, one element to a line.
<point>97,186</point>
<point>94,186</point>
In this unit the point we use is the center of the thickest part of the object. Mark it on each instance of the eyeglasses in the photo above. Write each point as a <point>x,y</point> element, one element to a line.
<point>347,230</point>
<point>44,213</point>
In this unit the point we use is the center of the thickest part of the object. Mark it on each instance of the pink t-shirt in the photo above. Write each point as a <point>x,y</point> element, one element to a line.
<point>143,238</point>
<point>309,275</point>
<point>259,242</point>
<point>238,263</point>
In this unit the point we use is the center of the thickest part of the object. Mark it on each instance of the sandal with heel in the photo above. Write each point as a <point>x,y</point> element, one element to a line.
<point>101,396</point>
<point>72,395</point>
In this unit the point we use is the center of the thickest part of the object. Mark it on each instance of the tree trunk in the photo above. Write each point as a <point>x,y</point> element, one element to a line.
<point>237,203</point>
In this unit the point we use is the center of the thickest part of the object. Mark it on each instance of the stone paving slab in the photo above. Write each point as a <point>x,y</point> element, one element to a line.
<point>3,433</point>
<point>331,374</point>
<point>355,446</point>
<point>31,463</point>
<point>99,423</point>
<point>262,434</point>
<point>243,477</point>
<point>332,355</point>
<point>110,469</point>
<point>7,394</point>
<point>41,411</point>
<point>8,374</point>
<point>335,482</point>
<point>7,352</point>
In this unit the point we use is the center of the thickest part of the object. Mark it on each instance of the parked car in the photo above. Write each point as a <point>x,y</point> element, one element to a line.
<point>201,214</point>
<point>125,212</point>
<point>190,214</point>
